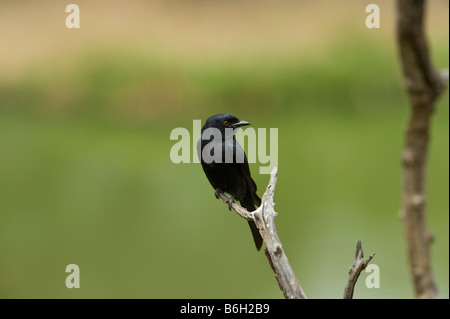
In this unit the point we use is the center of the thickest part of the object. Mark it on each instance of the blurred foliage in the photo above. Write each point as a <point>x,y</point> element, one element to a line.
<point>86,177</point>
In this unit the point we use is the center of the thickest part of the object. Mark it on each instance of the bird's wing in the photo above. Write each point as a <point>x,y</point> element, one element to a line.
<point>245,171</point>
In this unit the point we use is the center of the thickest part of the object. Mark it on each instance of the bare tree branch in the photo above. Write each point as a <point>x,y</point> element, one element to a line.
<point>285,276</point>
<point>359,264</point>
<point>424,84</point>
<point>264,220</point>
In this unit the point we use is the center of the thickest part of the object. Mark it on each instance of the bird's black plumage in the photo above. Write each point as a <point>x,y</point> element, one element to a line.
<point>233,178</point>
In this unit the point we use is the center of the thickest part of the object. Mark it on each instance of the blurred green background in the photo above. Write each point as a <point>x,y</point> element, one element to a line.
<point>85,172</point>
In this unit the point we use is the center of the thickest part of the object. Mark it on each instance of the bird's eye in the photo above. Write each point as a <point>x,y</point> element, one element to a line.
<point>225,123</point>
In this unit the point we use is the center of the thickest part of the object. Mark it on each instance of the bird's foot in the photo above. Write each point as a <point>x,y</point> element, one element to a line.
<point>230,202</point>
<point>217,193</point>
<point>225,199</point>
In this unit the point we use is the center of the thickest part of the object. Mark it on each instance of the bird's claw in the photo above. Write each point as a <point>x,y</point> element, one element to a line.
<point>217,193</point>
<point>229,201</point>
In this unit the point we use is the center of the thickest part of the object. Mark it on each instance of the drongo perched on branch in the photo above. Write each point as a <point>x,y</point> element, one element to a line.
<point>225,164</point>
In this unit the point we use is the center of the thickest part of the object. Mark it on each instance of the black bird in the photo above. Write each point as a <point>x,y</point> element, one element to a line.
<point>233,178</point>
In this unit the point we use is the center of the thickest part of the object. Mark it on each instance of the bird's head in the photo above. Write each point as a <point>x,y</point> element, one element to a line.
<point>224,120</point>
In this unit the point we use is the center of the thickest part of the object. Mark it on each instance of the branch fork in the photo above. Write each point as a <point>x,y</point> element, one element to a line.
<point>359,264</point>
<point>263,217</point>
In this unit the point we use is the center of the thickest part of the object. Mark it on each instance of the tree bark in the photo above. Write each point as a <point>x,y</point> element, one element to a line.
<point>359,264</point>
<point>264,220</point>
<point>423,84</point>
<point>284,274</point>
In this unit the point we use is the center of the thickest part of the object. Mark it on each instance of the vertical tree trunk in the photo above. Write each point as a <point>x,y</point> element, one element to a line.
<point>424,85</point>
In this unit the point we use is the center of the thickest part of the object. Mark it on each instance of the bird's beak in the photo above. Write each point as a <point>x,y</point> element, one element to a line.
<point>239,124</point>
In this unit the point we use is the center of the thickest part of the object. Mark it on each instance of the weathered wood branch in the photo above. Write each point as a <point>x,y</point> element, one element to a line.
<point>359,264</point>
<point>264,220</point>
<point>424,84</point>
<point>284,274</point>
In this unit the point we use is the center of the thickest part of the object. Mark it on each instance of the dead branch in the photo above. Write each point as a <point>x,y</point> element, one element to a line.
<point>264,220</point>
<point>423,84</point>
<point>285,276</point>
<point>359,264</point>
